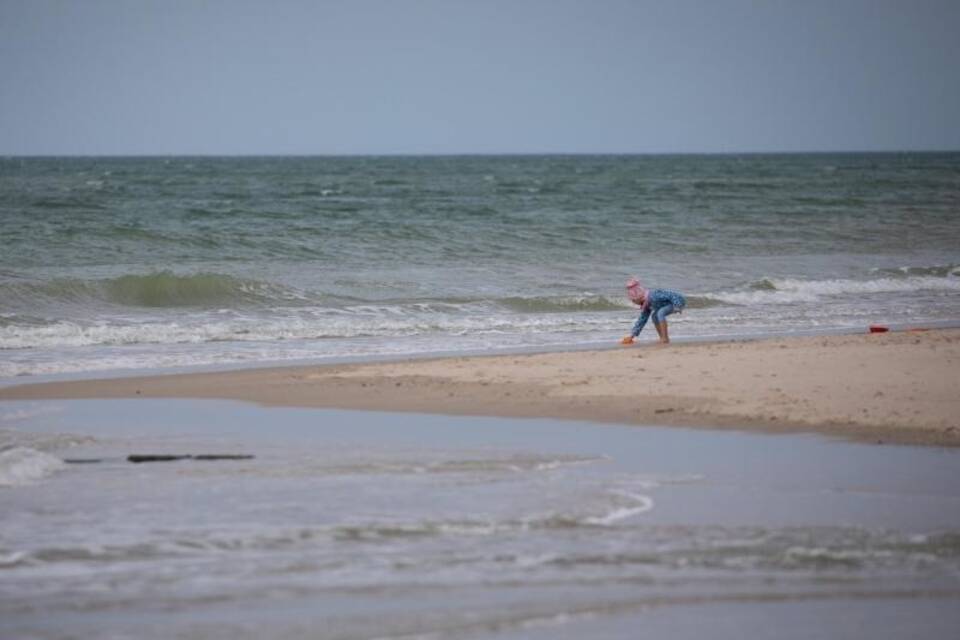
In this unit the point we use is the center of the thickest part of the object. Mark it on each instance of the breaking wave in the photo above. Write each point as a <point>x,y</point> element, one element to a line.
<point>24,465</point>
<point>678,547</point>
<point>561,304</point>
<point>165,289</point>
<point>791,290</point>
<point>158,289</point>
<point>940,271</point>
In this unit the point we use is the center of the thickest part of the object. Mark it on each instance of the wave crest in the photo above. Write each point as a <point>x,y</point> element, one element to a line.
<point>791,290</point>
<point>941,271</point>
<point>562,304</point>
<point>166,289</point>
<point>23,465</point>
<point>157,289</point>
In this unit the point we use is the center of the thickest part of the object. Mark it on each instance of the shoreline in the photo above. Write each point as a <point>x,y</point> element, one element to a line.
<point>898,387</point>
<point>440,354</point>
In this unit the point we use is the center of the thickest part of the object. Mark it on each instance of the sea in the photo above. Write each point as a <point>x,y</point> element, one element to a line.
<point>148,263</point>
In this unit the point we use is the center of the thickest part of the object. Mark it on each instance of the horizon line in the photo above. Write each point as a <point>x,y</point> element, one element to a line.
<point>7,156</point>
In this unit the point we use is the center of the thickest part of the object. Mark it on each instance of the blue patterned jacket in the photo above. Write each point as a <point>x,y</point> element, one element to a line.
<point>656,300</point>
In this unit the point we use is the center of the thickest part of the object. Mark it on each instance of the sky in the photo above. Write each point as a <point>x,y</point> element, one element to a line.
<point>144,77</point>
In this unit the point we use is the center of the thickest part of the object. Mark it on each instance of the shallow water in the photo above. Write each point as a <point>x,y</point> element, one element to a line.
<point>361,525</point>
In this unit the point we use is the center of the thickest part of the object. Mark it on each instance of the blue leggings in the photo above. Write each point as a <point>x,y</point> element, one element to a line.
<point>661,314</point>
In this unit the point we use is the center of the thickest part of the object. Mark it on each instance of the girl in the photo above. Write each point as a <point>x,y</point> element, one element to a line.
<point>656,302</point>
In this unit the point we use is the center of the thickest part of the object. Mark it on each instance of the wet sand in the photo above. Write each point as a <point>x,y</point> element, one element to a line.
<point>899,387</point>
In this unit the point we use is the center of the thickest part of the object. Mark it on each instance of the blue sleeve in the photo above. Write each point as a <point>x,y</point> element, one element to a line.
<point>641,321</point>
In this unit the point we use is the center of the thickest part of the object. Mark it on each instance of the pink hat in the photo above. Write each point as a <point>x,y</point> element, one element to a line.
<point>636,291</point>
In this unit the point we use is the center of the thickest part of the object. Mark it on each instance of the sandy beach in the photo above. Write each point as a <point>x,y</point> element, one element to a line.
<point>898,387</point>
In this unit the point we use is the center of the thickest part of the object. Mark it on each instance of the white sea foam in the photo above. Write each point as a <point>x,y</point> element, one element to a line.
<point>321,324</point>
<point>635,504</point>
<point>22,465</point>
<point>790,290</point>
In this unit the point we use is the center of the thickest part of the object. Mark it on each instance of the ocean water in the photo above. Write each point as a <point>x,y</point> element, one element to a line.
<point>350,525</point>
<point>133,263</point>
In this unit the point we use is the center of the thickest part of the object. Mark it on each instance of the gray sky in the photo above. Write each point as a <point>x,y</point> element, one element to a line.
<point>488,76</point>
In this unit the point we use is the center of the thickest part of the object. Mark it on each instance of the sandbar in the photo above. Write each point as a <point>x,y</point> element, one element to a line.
<point>897,387</point>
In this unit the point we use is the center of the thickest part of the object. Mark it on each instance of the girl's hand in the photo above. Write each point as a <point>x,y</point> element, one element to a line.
<point>627,340</point>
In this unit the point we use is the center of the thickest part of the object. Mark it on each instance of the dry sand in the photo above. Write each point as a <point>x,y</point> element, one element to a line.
<point>894,387</point>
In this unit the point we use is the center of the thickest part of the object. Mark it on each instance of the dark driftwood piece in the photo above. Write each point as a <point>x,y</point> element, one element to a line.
<point>169,458</point>
<point>165,457</point>
<point>155,457</point>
